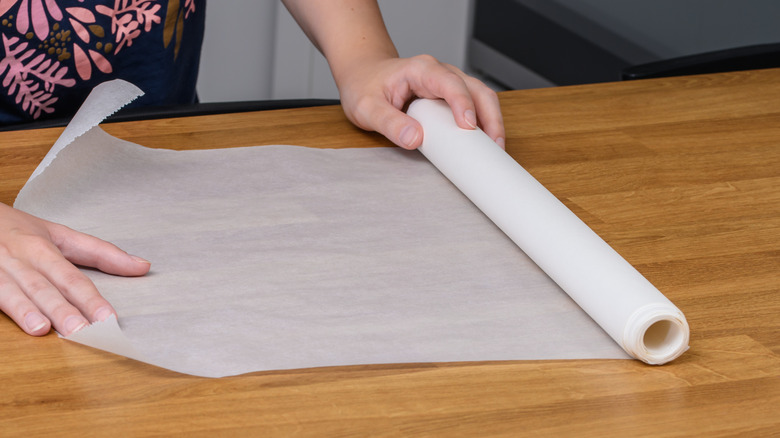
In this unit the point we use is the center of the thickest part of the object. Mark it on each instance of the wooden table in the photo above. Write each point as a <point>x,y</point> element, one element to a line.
<point>681,176</point>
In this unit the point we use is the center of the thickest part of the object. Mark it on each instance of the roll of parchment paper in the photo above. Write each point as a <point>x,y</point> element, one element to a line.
<point>630,309</point>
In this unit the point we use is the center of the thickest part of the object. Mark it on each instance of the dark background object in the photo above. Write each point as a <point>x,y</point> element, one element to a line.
<point>545,43</point>
<point>540,43</point>
<point>741,58</point>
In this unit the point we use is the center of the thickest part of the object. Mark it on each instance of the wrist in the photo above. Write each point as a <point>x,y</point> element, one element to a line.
<point>348,70</point>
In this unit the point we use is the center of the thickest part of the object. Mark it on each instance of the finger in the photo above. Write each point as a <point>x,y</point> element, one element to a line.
<point>43,295</point>
<point>378,115</point>
<point>488,110</point>
<point>75,287</point>
<point>433,80</point>
<point>487,106</point>
<point>62,292</point>
<point>401,129</point>
<point>83,249</point>
<point>15,304</point>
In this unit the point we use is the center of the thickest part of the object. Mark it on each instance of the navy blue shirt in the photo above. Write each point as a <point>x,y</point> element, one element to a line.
<point>53,52</point>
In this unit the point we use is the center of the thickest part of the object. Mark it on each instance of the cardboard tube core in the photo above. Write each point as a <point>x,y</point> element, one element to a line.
<point>663,337</point>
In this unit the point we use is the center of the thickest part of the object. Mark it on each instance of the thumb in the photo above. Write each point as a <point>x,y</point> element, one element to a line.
<point>382,117</point>
<point>410,135</point>
<point>85,250</point>
<point>399,128</point>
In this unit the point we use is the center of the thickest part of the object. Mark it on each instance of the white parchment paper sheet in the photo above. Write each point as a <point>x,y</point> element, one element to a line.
<point>279,257</point>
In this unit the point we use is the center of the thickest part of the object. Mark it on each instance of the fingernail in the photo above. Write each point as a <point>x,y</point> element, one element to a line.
<point>34,322</point>
<point>409,135</point>
<point>501,142</point>
<point>74,323</point>
<point>139,259</point>
<point>103,313</point>
<point>471,118</point>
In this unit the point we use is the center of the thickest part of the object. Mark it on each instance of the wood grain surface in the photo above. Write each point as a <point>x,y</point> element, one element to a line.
<point>681,176</point>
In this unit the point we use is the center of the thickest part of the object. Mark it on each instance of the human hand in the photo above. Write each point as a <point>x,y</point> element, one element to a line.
<point>374,94</point>
<point>375,84</point>
<point>39,284</point>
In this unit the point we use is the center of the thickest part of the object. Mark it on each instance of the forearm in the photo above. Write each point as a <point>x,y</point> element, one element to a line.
<point>349,33</point>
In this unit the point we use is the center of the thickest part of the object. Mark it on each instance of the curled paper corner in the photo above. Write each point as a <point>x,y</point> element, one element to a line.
<point>104,100</point>
<point>106,335</point>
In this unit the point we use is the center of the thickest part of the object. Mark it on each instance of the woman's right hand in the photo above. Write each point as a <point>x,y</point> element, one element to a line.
<point>39,285</point>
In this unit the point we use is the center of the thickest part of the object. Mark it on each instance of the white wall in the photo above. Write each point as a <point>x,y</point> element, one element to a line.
<point>273,58</point>
<point>238,49</point>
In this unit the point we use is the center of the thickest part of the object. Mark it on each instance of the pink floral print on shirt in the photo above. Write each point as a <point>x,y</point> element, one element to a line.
<point>56,43</point>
